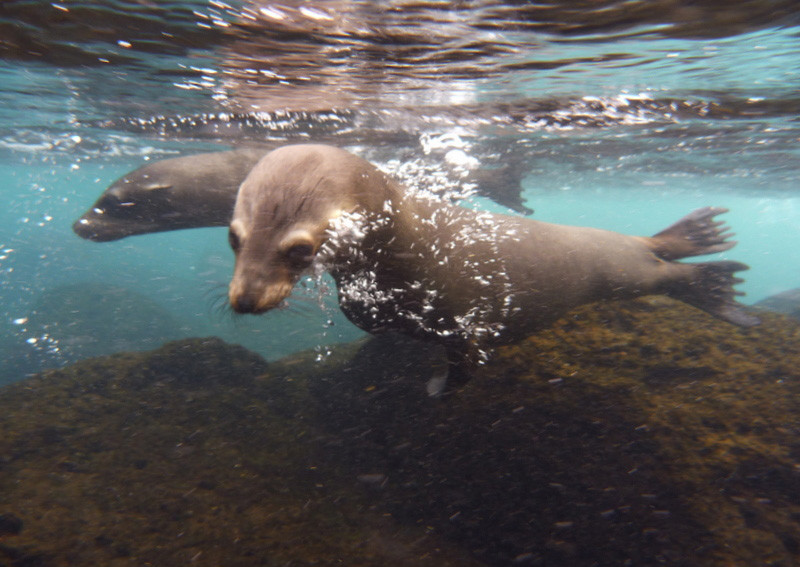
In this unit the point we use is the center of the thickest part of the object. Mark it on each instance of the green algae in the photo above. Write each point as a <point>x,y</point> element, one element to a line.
<point>635,433</point>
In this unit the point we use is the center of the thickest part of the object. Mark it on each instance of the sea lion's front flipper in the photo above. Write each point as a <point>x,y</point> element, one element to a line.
<point>455,371</point>
<point>694,235</point>
<point>437,384</point>
<point>711,289</point>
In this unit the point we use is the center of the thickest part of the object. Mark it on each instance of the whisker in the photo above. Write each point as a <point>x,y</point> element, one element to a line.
<point>214,290</point>
<point>217,301</point>
<point>304,299</point>
<point>300,309</point>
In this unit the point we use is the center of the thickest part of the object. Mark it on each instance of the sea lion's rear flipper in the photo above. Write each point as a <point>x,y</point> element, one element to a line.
<point>711,289</point>
<point>694,235</point>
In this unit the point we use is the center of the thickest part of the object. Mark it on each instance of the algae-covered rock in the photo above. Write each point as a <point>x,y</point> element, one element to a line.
<point>787,302</point>
<point>636,433</point>
<point>189,455</point>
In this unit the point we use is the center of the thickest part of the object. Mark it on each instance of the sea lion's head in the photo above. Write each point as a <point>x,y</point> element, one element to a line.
<point>186,192</point>
<point>283,213</point>
<point>137,203</point>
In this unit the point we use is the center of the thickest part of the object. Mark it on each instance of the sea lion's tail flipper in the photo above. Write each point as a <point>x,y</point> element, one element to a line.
<point>694,235</point>
<point>711,289</point>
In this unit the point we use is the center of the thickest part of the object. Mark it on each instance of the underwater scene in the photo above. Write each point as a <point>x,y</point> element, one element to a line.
<point>342,282</point>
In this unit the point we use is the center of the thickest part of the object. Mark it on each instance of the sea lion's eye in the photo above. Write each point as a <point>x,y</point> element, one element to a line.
<point>300,253</point>
<point>233,240</point>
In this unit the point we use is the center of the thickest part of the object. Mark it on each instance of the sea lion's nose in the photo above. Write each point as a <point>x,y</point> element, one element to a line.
<point>86,229</point>
<point>243,304</point>
<point>255,296</point>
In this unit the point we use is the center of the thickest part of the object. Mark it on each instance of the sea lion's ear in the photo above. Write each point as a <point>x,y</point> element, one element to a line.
<point>236,235</point>
<point>300,237</point>
<point>298,247</point>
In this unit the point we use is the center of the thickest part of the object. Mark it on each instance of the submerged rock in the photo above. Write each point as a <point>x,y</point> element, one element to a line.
<point>195,453</point>
<point>10,524</point>
<point>637,433</point>
<point>785,302</point>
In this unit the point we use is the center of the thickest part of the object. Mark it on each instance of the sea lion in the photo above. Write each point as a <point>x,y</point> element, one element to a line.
<point>186,192</point>
<point>468,279</point>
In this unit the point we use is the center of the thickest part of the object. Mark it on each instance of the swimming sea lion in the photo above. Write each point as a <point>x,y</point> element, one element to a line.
<point>186,192</point>
<point>468,279</point>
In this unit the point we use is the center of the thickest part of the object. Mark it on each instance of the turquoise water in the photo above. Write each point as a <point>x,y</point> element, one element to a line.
<point>625,129</point>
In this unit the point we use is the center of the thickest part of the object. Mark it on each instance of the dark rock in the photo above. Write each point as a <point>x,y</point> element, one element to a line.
<point>199,361</point>
<point>10,524</point>
<point>787,302</point>
<point>103,540</point>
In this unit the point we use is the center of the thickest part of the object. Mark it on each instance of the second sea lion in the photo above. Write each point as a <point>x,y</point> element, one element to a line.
<point>186,192</point>
<point>468,279</point>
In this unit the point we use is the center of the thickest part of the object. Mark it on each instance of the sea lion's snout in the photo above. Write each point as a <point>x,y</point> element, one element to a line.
<point>93,229</point>
<point>254,304</point>
<point>83,228</point>
<point>268,267</point>
<point>243,304</point>
<point>252,298</point>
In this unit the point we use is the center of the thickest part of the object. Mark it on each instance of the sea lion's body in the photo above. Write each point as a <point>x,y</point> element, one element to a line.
<point>468,279</point>
<point>186,192</point>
